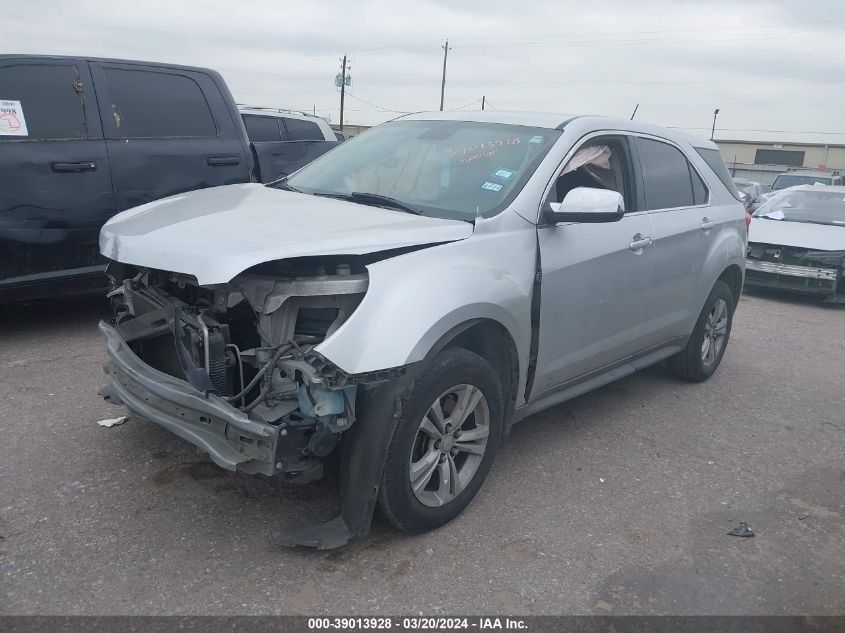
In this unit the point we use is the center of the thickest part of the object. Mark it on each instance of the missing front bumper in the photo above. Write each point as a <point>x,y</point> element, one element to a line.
<point>804,279</point>
<point>229,436</point>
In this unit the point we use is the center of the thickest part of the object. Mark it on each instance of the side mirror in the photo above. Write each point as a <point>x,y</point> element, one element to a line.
<point>585,204</point>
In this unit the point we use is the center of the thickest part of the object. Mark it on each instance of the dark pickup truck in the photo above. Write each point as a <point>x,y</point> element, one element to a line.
<point>82,139</point>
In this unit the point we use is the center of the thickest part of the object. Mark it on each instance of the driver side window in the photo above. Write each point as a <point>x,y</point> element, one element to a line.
<point>600,163</point>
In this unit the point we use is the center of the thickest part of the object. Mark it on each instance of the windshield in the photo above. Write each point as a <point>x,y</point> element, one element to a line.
<point>783,181</point>
<point>821,206</point>
<point>447,169</point>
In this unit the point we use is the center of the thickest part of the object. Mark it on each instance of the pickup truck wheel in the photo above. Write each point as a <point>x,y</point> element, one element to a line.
<point>444,443</point>
<point>709,339</point>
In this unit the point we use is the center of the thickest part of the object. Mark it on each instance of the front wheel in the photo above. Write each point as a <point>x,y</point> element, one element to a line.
<point>444,443</point>
<point>709,339</point>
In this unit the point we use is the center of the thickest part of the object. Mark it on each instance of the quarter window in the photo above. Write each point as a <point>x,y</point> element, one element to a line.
<point>699,189</point>
<point>670,181</point>
<point>714,160</point>
<point>148,104</point>
<point>300,130</point>
<point>50,97</point>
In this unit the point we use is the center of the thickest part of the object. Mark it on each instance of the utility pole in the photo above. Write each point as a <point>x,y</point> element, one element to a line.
<point>443,82</point>
<point>343,70</point>
<point>483,98</point>
<point>637,107</point>
<point>713,129</point>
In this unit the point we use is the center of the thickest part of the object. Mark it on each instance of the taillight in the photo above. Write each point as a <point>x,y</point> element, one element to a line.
<point>747,222</point>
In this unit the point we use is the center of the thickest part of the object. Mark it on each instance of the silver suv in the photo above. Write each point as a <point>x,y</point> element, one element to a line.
<point>407,297</point>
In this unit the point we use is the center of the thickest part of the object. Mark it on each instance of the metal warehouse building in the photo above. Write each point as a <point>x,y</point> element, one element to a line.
<point>762,162</point>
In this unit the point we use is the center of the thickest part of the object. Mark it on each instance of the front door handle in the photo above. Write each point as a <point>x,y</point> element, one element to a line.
<point>639,243</point>
<point>222,161</point>
<point>88,165</point>
<point>707,224</point>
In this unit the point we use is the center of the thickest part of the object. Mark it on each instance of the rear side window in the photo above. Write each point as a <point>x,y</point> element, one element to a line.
<point>300,130</point>
<point>670,181</point>
<point>148,104</point>
<point>261,129</point>
<point>50,101</point>
<point>714,160</point>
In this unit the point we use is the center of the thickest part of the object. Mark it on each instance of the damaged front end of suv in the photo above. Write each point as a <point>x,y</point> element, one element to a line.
<point>232,368</point>
<point>372,312</point>
<point>261,400</point>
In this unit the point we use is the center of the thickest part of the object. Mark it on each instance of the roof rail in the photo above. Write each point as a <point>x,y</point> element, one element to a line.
<point>280,110</point>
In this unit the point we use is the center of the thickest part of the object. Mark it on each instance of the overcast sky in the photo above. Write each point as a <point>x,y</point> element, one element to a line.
<point>768,65</point>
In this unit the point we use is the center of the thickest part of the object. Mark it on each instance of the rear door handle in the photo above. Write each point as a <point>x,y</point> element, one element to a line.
<point>88,165</point>
<point>707,224</point>
<point>222,161</point>
<point>639,243</point>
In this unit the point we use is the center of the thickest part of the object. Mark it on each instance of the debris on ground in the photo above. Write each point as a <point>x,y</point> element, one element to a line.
<point>743,529</point>
<point>109,422</point>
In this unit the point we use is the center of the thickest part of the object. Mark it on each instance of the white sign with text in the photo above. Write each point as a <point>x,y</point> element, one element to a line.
<point>12,121</point>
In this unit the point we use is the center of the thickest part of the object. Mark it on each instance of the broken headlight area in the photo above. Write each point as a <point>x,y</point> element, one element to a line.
<point>250,343</point>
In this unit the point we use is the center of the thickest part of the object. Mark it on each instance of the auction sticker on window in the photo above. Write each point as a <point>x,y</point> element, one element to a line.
<point>504,174</point>
<point>12,121</point>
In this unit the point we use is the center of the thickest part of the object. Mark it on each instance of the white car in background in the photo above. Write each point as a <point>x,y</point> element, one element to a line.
<point>284,141</point>
<point>752,193</point>
<point>796,242</point>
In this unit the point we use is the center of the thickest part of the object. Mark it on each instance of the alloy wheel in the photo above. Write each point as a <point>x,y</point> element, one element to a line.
<point>715,330</point>
<point>449,445</point>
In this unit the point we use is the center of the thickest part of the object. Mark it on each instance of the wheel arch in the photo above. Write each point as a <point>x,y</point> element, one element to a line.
<point>732,276</point>
<point>491,340</point>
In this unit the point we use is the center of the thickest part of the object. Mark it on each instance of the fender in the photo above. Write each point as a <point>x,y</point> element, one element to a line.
<point>415,304</point>
<point>415,299</point>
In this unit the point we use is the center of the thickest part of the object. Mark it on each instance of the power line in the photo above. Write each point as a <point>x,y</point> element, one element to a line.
<point>726,129</point>
<point>572,36</point>
<point>652,40</point>
<point>599,82</point>
<point>376,105</point>
<point>465,105</point>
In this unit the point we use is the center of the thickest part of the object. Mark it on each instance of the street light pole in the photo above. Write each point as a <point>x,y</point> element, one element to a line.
<point>713,130</point>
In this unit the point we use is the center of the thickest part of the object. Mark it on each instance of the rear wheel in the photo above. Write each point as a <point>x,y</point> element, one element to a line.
<point>709,339</point>
<point>444,443</point>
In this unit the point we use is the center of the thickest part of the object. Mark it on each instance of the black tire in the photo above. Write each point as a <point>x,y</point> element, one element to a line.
<point>689,363</point>
<point>397,502</point>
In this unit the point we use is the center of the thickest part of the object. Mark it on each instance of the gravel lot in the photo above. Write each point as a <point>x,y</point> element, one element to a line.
<point>617,502</point>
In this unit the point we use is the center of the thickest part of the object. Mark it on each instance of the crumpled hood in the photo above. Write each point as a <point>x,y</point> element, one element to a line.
<point>216,233</point>
<point>817,237</point>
